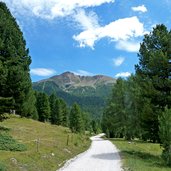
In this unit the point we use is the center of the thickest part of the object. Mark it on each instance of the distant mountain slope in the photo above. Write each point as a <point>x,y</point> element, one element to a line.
<point>88,91</point>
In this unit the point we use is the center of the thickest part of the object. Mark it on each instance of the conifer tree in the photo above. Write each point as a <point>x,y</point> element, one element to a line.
<point>15,79</point>
<point>76,120</point>
<point>52,102</point>
<point>43,107</point>
<point>64,113</point>
<point>153,73</point>
<point>58,113</point>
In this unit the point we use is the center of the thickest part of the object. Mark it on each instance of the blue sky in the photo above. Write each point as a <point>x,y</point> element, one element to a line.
<point>87,37</point>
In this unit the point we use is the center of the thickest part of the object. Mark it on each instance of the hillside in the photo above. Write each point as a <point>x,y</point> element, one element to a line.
<point>52,149</point>
<point>90,92</point>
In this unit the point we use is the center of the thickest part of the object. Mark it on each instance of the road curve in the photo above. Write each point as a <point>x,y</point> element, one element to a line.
<point>102,156</point>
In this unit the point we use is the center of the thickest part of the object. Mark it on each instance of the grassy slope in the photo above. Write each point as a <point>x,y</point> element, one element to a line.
<point>53,139</point>
<point>140,156</point>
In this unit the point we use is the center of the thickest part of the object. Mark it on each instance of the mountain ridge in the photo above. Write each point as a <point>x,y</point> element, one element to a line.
<point>90,92</point>
<point>71,79</point>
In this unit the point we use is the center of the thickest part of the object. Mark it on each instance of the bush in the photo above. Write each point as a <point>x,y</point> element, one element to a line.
<point>7,143</point>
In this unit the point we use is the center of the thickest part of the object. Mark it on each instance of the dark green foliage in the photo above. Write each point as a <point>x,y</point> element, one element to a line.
<point>6,104</point>
<point>94,126</point>
<point>86,121</point>
<point>64,113</point>
<point>137,102</point>
<point>52,102</point>
<point>43,107</point>
<point>75,118</point>
<point>15,79</point>
<point>7,143</point>
<point>91,101</point>
<point>153,73</point>
<point>59,111</point>
<point>57,116</point>
<point>165,135</point>
<point>114,115</point>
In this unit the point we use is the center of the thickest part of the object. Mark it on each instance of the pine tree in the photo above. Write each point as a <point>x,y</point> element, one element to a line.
<point>64,113</point>
<point>58,115</point>
<point>52,102</point>
<point>43,107</point>
<point>153,78</point>
<point>76,120</point>
<point>14,65</point>
<point>114,117</point>
<point>86,121</point>
<point>94,126</point>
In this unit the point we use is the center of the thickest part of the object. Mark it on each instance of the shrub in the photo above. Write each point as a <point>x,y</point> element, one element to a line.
<point>7,143</point>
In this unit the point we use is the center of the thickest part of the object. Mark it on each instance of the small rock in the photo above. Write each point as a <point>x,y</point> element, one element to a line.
<point>66,150</point>
<point>14,161</point>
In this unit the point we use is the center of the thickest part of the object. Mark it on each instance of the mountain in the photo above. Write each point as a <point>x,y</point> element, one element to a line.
<point>90,92</point>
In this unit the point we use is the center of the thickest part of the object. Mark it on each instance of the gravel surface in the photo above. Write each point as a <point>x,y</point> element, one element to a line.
<point>101,156</point>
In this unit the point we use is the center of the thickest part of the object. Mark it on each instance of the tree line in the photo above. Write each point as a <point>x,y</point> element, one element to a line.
<point>140,106</point>
<point>55,110</point>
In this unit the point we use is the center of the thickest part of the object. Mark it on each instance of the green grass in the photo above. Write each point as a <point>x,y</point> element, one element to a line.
<point>47,155</point>
<point>140,156</point>
<point>7,143</point>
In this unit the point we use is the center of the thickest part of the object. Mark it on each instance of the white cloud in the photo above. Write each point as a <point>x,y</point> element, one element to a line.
<point>42,72</point>
<point>118,61</point>
<point>128,46</point>
<point>119,30</point>
<point>86,21</point>
<point>83,73</point>
<point>123,74</point>
<point>141,8</point>
<point>50,9</point>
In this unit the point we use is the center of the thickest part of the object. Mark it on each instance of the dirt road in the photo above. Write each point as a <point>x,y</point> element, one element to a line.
<point>102,156</point>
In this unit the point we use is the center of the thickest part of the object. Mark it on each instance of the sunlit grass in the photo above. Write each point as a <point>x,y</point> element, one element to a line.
<point>140,156</point>
<point>47,146</point>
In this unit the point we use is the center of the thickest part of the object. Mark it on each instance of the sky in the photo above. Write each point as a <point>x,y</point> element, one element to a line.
<point>86,37</point>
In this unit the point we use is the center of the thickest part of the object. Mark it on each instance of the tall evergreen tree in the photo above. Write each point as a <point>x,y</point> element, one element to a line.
<point>58,113</point>
<point>114,118</point>
<point>14,65</point>
<point>52,102</point>
<point>43,107</point>
<point>64,113</point>
<point>153,73</point>
<point>75,118</point>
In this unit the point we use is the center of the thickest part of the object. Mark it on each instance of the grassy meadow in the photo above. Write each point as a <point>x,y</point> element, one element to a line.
<point>140,156</point>
<point>47,146</point>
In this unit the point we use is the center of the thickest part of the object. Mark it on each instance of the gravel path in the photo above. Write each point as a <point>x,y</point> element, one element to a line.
<point>102,156</point>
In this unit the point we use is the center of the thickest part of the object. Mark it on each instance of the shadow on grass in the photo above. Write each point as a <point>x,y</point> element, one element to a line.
<point>2,128</point>
<point>148,158</point>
